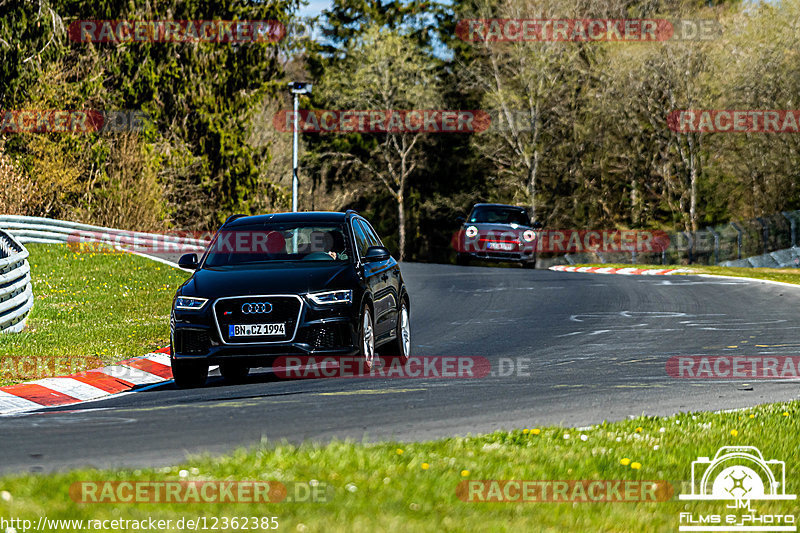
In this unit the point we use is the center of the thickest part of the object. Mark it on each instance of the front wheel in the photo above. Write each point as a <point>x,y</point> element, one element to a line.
<point>531,263</point>
<point>189,374</point>
<point>400,347</point>
<point>366,339</point>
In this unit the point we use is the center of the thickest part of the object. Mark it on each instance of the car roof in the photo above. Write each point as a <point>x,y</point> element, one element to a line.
<point>498,205</point>
<point>306,216</point>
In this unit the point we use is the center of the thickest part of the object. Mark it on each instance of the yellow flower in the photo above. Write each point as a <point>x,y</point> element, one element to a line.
<point>734,432</point>
<point>535,431</point>
<point>399,451</point>
<point>752,416</point>
<point>786,413</point>
<point>525,431</point>
<point>639,429</point>
<point>425,466</point>
<point>636,466</point>
<point>625,461</point>
<point>464,473</point>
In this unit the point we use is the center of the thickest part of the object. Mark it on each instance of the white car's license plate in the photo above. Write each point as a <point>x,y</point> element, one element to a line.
<point>501,246</point>
<point>256,330</point>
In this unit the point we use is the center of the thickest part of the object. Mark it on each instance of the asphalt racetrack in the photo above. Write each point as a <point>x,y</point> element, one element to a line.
<point>564,348</point>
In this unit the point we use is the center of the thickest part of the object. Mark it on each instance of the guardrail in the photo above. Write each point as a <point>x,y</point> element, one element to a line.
<point>16,293</point>
<point>51,231</point>
<point>769,241</point>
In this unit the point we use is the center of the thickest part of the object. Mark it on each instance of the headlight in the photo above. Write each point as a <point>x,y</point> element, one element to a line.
<point>471,232</point>
<point>330,297</point>
<point>190,303</point>
<point>529,235</point>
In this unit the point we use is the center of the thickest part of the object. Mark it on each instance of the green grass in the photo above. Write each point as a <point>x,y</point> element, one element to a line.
<point>786,275</point>
<point>384,487</point>
<point>89,309</point>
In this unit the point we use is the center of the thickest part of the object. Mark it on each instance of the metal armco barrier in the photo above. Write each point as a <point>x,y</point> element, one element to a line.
<point>768,241</point>
<point>50,231</point>
<point>16,293</point>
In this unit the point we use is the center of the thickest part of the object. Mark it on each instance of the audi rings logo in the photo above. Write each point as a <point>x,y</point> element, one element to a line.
<point>256,308</point>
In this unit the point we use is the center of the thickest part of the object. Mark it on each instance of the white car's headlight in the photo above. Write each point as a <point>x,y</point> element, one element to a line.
<point>471,232</point>
<point>529,235</point>
<point>331,297</point>
<point>190,303</point>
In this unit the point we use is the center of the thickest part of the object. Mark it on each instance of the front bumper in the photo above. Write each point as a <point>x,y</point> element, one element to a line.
<point>316,330</point>
<point>493,255</point>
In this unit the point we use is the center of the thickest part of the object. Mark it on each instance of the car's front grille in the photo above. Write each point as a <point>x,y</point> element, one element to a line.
<point>326,337</point>
<point>192,342</point>
<point>263,310</point>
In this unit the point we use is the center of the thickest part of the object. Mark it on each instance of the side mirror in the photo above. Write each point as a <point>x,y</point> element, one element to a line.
<point>461,220</point>
<point>537,225</point>
<point>376,253</point>
<point>188,261</point>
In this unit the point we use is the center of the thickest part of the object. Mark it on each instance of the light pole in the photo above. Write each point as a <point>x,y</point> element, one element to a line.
<point>297,88</point>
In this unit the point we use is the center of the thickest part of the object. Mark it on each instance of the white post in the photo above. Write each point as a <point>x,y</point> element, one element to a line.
<point>294,155</point>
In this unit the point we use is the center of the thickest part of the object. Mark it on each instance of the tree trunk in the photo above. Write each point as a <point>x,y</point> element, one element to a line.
<point>693,200</point>
<point>694,172</point>
<point>401,221</point>
<point>533,170</point>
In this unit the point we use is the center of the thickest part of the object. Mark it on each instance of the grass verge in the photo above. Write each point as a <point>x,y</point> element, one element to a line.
<point>412,486</point>
<point>89,309</point>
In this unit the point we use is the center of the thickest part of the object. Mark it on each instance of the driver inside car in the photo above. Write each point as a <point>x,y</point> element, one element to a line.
<point>328,242</point>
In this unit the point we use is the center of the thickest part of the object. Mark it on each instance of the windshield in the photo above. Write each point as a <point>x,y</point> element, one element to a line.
<point>278,242</point>
<point>499,215</point>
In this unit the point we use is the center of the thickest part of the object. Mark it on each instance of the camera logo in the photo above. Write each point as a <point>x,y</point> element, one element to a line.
<point>738,475</point>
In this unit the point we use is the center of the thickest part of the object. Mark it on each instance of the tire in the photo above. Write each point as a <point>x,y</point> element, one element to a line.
<point>234,372</point>
<point>400,348</point>
<point>532,262</point>
<point>366,339</point>
<point>462,259</point>
<point>189,374</point>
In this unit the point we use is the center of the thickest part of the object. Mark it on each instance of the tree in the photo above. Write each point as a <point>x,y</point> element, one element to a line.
<point>384,71</point>
<point>529,87</point>
<point>201,100</point>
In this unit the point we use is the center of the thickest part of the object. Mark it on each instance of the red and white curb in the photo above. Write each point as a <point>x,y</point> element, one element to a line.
<point>88,385</point>
<point>626,271</point>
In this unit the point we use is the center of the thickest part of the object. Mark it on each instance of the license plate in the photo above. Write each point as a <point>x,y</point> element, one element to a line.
<point>501,246</point>
<point>256,330</point>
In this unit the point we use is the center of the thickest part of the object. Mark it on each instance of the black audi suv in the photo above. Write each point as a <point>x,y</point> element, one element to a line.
<point>288,284</point>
